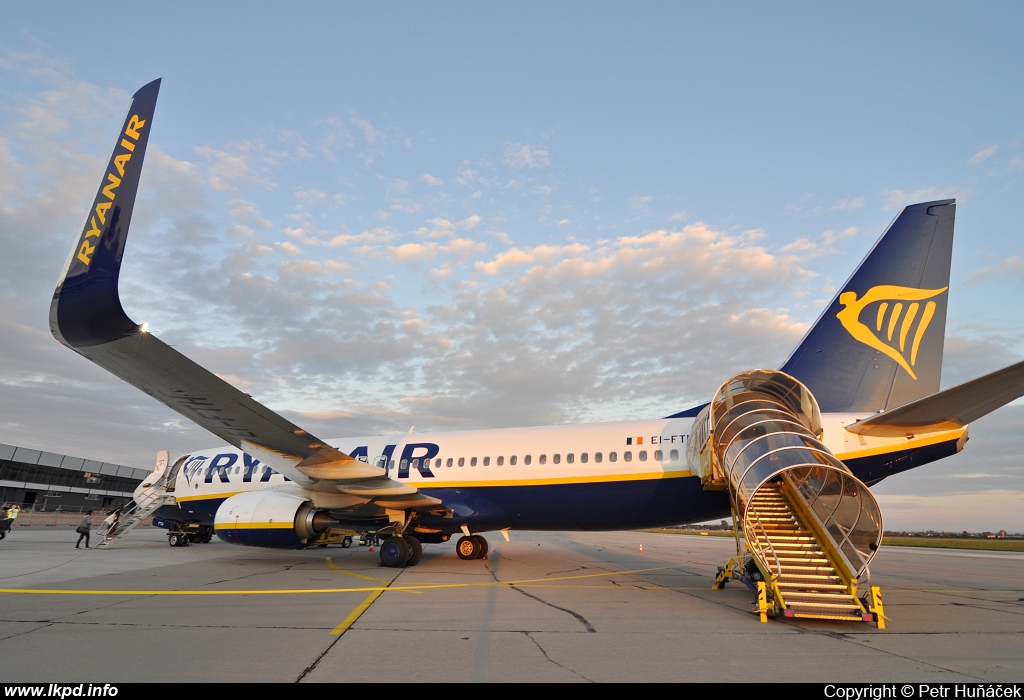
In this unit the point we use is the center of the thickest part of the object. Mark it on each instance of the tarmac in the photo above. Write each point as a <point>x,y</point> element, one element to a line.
<point>544,607</point>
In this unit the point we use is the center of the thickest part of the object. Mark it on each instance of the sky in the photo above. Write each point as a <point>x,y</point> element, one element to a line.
<point>455,215</point>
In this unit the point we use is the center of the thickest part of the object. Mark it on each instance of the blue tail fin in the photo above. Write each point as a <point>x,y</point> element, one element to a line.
<point>879,343</point>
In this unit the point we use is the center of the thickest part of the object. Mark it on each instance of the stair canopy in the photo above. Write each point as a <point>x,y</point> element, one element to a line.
<point>761,433</point>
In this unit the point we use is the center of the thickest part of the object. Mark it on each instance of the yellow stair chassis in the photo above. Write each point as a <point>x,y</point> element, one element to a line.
<point>809,527</point>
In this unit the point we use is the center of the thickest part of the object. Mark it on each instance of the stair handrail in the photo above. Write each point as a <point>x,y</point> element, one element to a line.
<point>771,547</point>
<point>847,571</point>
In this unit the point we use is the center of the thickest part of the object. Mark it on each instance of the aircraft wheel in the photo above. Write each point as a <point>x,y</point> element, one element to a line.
<point>415,550</point>
<point>347,542</point>
<point>395,552</point>
<point>482,554</point>
<point>176,539</point>
<point>468,547</point>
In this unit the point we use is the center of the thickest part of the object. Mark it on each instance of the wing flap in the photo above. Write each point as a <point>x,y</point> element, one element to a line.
<point>949,409</point>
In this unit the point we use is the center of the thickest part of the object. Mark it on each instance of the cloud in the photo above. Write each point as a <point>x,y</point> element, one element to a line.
<point>802,208</point>
<point>897,199</point>
<point>237,164</point>
<point>431,180</point>
<point>9,171</point>
<point>982,155</point>
<point>336,138</point>
<point>807,249</point>
<point>849,205</point>
<point>522,155</point>
<point>418,252</point>
<point>640,204</point>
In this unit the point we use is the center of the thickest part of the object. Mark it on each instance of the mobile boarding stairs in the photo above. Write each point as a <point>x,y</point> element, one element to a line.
<point>809,527</point>
<point>156,490</point>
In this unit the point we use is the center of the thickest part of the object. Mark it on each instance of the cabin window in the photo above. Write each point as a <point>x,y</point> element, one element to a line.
<point>404,465</point>
<point>527,459</point>
<point>501,461</point>
<point>673,455</point>
<point>584,458</point>
<point>543,459</point>
<point>512,460</point>
<point>462,461</point>
<point>598,457</point>
<point>381,461</point>
<point>487,461</point>
<point>643,455</point>
<point>569,458</point>
<point>613,456</point>
<point>416,464</point>
<point>449,462</point>
<point>472,462</point>
<point>437,464</point>
<point>627,456</point>
<point>237,469</point>
<point>658,455</point>
<point>557,459</point>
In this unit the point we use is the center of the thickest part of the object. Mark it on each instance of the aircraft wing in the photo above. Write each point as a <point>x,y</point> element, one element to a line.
<point>949,409</point>
<point>86,315</point>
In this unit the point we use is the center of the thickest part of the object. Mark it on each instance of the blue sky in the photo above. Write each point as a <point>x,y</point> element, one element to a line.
<point>465,215</point>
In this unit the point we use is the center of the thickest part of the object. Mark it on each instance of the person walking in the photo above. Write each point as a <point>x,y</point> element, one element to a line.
<point>83,529</point>
<point>111,522</point>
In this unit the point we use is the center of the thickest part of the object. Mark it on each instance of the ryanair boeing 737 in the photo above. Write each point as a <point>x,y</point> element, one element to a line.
<point>788,453</point>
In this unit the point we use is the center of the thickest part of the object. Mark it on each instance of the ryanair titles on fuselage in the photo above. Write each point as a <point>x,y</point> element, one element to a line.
<point>416,456</point>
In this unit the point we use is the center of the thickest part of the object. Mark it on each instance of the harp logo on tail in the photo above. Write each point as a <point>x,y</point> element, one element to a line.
<point>897,319</point>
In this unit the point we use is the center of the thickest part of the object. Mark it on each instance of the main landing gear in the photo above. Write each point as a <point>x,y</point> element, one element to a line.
<point>471,547</point>
<point>401,551</point>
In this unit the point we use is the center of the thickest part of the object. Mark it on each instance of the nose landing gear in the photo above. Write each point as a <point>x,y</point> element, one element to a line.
<point>471,547</point>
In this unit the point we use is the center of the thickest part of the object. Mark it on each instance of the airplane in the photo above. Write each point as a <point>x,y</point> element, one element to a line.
<point>789,454</point>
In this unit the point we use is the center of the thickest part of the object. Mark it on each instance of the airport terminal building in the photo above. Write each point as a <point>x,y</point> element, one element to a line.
<point>47,482</point>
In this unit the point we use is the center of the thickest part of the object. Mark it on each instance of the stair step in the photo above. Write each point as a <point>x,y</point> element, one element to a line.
<point>790,579</point>
<point>815,598</point>
<point>824,616</point>
<point>808,587</point>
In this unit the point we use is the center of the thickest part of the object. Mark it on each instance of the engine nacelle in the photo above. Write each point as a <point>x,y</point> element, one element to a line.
<point>269,519</point>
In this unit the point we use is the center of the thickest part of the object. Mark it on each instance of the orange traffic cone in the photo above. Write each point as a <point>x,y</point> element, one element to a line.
<point>641,549</point>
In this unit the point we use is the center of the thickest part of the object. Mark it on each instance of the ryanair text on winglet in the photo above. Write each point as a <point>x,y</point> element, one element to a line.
<point>120,160</point>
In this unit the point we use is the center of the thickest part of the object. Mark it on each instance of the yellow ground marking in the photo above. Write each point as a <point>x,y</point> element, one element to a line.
<point>360,589</point>
<point>534,583</point>
<point>356,614</point>
<point>332,565</point>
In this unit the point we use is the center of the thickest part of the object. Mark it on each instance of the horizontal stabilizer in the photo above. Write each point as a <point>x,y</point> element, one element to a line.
<point>949,409</point>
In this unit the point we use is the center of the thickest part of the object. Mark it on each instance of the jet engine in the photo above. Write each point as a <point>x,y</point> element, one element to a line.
<point>269,519</point>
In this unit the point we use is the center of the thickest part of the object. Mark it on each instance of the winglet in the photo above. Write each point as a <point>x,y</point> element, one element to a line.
<point>86,309</point>
<point>87,316</point>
